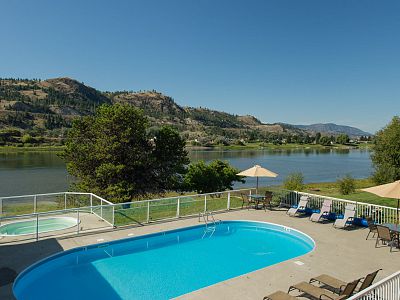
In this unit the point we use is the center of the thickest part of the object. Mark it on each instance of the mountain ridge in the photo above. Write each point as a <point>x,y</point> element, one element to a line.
<point>47,107</point>
<point>332,128</point>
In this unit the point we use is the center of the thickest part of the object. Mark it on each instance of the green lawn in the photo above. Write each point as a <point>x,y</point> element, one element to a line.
<point>332,189</point>
<point>136,213</point>
<point>167,208</point>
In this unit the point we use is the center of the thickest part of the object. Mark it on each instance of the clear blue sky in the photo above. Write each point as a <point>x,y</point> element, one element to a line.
<point>282,61</point>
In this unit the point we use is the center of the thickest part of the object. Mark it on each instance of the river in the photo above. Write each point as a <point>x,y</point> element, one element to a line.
<point>44,172</point>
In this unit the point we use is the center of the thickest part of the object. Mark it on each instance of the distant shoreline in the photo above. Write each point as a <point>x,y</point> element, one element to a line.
<point>249,146</point>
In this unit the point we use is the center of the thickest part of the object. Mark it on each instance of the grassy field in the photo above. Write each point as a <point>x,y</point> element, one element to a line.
<point>248,146</point>
<point>30,149</point>
<point>332,189</point>
<point>190,204</point>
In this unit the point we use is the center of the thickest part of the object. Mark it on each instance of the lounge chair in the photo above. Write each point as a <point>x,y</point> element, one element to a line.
<point>300,208</point>
<point>324,211</point>
<point>319,293</point>
<point>349,213</point>
<point>279,295</point>
<point>267,200</point>
<point>338,285</point>
<point>385,236</point>
<point>371,227</point>
<point>246,200</point>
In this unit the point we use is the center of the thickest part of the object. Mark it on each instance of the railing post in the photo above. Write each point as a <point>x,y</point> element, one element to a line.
<point>148,212</point>
<point>91,203</point>
<point>1,206</point>
<point>178,207</point>
<point>78,224</point>
<point>205,203</point>
<point>65,200</point>
<point>113,216</point>
<point>34,204</point>
<point>101,208</point>
<point>37,227</point>
<point>228,206</point>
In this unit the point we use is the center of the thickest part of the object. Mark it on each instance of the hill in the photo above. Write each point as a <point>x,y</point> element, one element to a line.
<point>45,109</point>
<point>334,129</point>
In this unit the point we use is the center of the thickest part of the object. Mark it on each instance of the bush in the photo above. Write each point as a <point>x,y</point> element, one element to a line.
<point>28,139</point>
<point>294,182</point>
<point>217,176</point>
<point>347,185</point>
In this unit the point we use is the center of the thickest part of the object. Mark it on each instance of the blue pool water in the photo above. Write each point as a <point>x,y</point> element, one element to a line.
<point>162,265</point>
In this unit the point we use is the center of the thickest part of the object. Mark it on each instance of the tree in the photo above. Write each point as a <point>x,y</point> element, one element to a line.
<point>111,154</point>
<point>170,158</point>
<point>215,177</point>
<point>325,141</point>
<point>294,182</point>
<point>317,137</point>
<point>342,139</point>
<point>386,153</point>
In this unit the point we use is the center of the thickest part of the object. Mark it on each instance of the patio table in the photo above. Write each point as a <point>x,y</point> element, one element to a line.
<point>257,198</point>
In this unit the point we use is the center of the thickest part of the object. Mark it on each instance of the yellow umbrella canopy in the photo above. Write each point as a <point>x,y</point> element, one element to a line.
<point>389,190</point>
<point>257,171</point>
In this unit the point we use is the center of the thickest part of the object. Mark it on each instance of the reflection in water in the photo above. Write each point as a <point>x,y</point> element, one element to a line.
<point>32,172</point>
<point>317,165</point>
<point>43,172</point>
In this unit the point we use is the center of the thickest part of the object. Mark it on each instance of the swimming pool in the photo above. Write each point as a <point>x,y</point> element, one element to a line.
<point>30,226</point>
<point>162,265</point>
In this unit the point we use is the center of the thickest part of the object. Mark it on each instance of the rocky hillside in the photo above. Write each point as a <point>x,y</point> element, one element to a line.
<point>331,128</point>
<point>46,108</point>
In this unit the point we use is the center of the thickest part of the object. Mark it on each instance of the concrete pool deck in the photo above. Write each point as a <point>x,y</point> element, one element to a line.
<point>341,253</point>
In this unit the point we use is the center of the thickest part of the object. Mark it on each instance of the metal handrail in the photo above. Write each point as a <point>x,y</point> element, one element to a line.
<point>44,213</point>
<point>47,194</point>
<point>343,200</point>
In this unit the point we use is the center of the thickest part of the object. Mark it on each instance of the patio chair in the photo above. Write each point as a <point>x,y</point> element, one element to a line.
<point>246,200</point>
<point>320,293</point>
<point>300,208</point>
<point>385,236</point>
<point>324,211</point>
<point>371,227</point>
<point>338,285</point>
<point>267,200</point>
<point>279,295</point>
<point>349,213</point>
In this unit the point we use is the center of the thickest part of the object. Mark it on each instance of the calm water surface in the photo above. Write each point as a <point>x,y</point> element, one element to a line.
<point>44,172</point>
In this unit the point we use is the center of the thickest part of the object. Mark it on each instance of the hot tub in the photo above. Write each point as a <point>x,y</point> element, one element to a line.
<point>29,227</point>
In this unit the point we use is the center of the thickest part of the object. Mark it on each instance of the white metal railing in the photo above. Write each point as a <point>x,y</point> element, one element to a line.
<point>144,211</point>
<point>380,214</point>
<point>37,217</point>
<point>386,289</point>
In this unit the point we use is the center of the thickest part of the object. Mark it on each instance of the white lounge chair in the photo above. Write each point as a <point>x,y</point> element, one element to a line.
<point>325,210</point>
<point>300,207</point>
<point>349,213</point>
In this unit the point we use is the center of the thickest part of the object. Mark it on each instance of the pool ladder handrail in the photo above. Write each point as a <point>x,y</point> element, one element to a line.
<point>208,229</point>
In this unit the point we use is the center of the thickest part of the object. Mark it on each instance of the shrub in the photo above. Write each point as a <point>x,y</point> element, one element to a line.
<point>217,176</point>
<point>347,185</point>
<point>294,182</point>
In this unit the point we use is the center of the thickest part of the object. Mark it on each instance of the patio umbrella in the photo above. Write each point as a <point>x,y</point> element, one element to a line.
<point>389,190</point>
<point>257,171</point>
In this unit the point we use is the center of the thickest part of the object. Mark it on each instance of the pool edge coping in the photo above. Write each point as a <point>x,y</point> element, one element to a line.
<point>99,245</point>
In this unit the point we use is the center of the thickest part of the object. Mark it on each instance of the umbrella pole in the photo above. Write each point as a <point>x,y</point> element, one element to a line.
<point>257,189</point>
<point>398,200</point>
